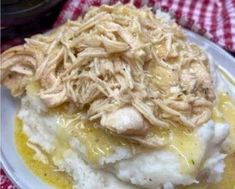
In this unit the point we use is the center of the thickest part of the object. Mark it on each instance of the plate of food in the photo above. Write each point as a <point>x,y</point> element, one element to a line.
<point>119,98</point>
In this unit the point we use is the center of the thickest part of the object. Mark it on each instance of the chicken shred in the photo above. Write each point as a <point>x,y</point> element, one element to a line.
<point>118,59</point>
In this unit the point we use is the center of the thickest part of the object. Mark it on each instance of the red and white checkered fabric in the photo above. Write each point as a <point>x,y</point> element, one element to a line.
<point>215,19</point>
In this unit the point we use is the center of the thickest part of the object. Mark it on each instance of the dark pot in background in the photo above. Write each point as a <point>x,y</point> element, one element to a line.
<point>23,18</point>
<point>16,12</point>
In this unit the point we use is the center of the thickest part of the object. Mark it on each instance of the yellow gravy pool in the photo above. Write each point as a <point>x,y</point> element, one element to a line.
<point>46,172</point>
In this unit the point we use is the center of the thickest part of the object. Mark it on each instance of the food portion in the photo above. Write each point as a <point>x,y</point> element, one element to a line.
<point>111,62</point>
<point>120,99</point>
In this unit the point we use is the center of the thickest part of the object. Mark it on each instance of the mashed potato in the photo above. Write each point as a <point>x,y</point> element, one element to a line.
<point>162,168</point>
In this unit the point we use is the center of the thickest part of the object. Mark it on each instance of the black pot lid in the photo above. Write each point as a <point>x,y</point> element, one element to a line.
<point>24,9</point>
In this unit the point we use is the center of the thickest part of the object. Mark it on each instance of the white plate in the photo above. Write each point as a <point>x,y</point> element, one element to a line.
<point>10,159</point>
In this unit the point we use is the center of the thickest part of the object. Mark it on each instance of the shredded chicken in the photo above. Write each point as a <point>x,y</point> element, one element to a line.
<point>129,66</point>
<point>124,120</point>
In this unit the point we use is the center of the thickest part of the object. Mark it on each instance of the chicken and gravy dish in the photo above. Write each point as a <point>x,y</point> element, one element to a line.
<point>119,98</point>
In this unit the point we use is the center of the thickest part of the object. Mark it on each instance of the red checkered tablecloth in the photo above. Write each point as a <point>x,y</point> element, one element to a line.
<point>215,19</point>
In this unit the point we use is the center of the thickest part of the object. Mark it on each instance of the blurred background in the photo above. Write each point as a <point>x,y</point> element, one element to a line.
<point>23,18</point>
